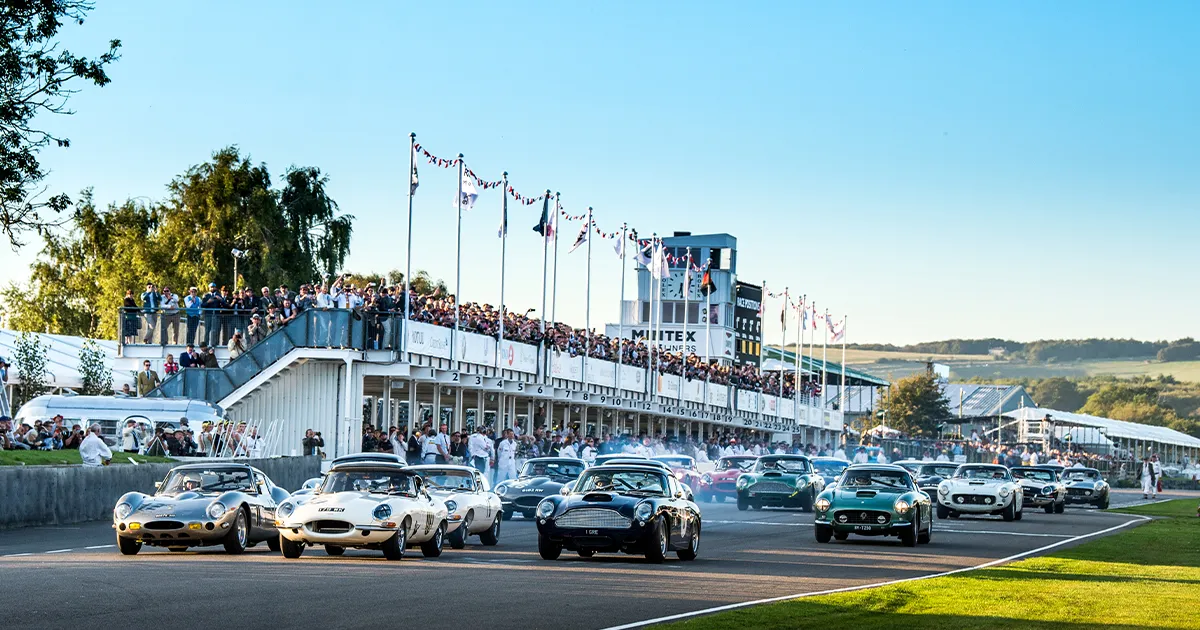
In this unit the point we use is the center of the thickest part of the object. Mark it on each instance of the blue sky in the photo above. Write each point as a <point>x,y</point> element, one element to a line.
<point>934,170</point>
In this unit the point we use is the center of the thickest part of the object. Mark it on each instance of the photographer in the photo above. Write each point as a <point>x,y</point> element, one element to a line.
<point>93,451</point>
<point>74,439</point>
<point>312,443</point>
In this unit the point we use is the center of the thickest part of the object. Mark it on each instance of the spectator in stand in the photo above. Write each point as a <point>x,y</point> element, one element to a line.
<point>129,318</point>
<point>147,379</point>
<point>255,332</point>
<point>74,439</point>
<point>131,437</point>
<point>151,301</point>
<point>236,347</point>
<point>190,358</point>
<point>170,366</point>
<point>92,450</point>
<point>170,315</point>
<point>212,304</point>
<point>192,305</point>
<point>209,354</point>
<point>4,404</point>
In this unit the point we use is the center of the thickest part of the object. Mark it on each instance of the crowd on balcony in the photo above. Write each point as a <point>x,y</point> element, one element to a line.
<point>238,319</point>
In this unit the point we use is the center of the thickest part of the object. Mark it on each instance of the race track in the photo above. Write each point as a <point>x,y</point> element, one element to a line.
<point>74,576</point>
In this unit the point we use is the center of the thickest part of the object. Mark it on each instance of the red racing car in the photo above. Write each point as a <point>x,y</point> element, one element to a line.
<point>721,483</point>
<point>684,469</point>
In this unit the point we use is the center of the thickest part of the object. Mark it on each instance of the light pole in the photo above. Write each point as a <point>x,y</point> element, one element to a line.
<point>237,254</point>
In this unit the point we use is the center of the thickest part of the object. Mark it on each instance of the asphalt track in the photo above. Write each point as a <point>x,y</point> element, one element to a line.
<point>74,577</point>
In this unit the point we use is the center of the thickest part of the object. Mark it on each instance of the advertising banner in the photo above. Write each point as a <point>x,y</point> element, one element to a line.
<point>564,366</point>
<point>429,340</point>
<point>693,390</point>
<point>519,357</point>
<point>633,379</point>
<point>477,349</point>
<point>747,400</point>
<point>667,385</point>
<point>601,372</point>
<point>718,395</point>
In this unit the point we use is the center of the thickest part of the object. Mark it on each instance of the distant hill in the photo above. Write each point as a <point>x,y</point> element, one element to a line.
<point>1043,350</point>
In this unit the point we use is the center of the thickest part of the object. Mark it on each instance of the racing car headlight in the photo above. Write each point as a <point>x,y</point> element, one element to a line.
<point>286,510</point>
<point>122,511</point>
<point>944,489</point>
<point>644,511</point>
<point>1048,490</point>
<point>382,511</point>
<point>451,506</point>
<point>545,509</point>
<point>742,482</point>
<point>902,506</point>
<point>216,510</point>
<point>801,482</point>
<point>1004,491</point>
<point>501,490</point>
<point>821,505</point>
<point>706,479</point>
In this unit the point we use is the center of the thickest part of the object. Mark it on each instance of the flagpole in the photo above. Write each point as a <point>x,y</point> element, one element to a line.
<point>587,308</point>
<point>782,343</point>
<point>799,353</point>
<point>458,266</point>
<point>545,269</point>
<point>554,282</point>
<point>845,396</point>
<point>621,308</point>
<point>824,365</point>
<point>687,276</point>
<point>412,166</point>
<point>655,294</point>
<point>503,259</point>
<point>812,336</point>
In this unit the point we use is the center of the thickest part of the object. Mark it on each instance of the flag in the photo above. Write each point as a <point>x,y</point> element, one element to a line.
<point>546,224</point>
<point>837,335</point>
<point>619,246</point>
<point>644,255</point>
<point>707,286</point>
<point>664,265</point>
<point>469,194</point>
<point>762,300</point>
<point>783,315</point>
<point>803,318</point>
<point>412,185</point>
<point>503,219</point>
<point>583,236</point>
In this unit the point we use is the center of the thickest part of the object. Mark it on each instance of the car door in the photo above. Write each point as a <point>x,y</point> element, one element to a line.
<point>678,515</point>
<point>264,504</point>
<point>483,500</point>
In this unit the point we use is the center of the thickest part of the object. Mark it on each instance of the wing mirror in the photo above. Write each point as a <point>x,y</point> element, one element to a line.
<point>157,485</point>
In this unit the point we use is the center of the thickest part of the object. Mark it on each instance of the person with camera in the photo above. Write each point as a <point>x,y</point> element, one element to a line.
<point>93,451</point>
<point>312,443</point>
<point>74,438</point>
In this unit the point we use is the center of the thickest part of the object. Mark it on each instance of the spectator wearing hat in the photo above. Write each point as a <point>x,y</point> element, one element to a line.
<point>256,331</point>
<point>236,346</point>
<point>211,306</point>
<point>151,302</point>
<point>93,451</point>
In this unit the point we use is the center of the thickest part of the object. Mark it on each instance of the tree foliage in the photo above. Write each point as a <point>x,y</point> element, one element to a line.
<point>38,77</point>
<point>79,279</point>
<point>94,371</point>
<point>1057,393</point>
<point>1185,349</point>
<point>915,406</point>
<point>29,357</point>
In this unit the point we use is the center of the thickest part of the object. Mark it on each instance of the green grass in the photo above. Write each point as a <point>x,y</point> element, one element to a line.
<point>1144,577</point>
<point>58,458</point>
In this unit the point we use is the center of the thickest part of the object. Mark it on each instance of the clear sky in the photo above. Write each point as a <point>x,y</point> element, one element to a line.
<point>933,169</point>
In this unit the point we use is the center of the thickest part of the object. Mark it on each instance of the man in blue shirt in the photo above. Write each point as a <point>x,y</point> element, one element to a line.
<point>151,301</point>
<point>191,308</point>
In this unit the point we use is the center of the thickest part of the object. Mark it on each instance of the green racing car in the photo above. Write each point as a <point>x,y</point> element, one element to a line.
<point>874,500</point>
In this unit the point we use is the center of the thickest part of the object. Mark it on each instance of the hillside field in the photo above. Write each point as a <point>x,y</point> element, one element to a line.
<point>894,365</point>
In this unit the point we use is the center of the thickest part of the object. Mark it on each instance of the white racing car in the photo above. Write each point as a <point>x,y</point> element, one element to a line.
<point>365,505</point>
<point>980,489</point>
<point>472,508</point>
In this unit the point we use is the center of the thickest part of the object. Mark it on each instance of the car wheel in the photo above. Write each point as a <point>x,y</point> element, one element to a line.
<point>840,535</point>
<point>506,514</point>
<point>693,549</point>
<point>273,544</point>
<point>492,535</point>
<point>1010,513</point>
<point>743,504</point>
<point>824,533</point>
<point>659,543</point>
<point>927,535</point>
<point>954,514</point>
<point>943,512</point>
<point>585,553</point>
<point>458,537</point>
<point>548,549</point>
<point>433,547</point>
<point>908,535</point>
<point>1049,509</point>
<point>708,498</point>
<point>129,546</point>
<point>289,548</point>
<point>1060,507</point>
<point>334,550</point>
<point>806,504</point>
<point>1103,505</point>
<point>393,548</point>
<point>177,549</point>
<point>235,540</point>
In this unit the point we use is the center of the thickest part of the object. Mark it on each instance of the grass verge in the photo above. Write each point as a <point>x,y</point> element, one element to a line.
<point>1145,577</point>
<point>64,457</point>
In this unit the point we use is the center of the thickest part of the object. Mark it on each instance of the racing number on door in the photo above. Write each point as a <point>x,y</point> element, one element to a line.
<point>429,523</point>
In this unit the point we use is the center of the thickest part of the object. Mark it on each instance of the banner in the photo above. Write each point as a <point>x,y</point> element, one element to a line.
<point>429,340</point>
<point>601,372</point>
<point>718,344</point>
<point>787,408</point>
<point>477,349</point>
<point>747,400</point>
<point>566,367</point>
<point>767,404</point>
<point>747,323</point>
<point>519,357</point>
<point>693,390</point>
<point>667,385</point>
<point>718,395</point>
<point>633,379</point>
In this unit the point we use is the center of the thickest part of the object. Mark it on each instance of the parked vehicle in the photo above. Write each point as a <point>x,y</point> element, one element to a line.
<point>111,412</point>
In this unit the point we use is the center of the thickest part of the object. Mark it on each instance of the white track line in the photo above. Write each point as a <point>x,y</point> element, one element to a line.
<point>707,611</point>
<point>936,529</point>
<point>18,555</point>
<point>99,546</point>
<point>58,551</point>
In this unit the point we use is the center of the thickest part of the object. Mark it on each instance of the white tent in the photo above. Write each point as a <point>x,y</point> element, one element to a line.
<point>1119,429</point>
<point>62,359</point>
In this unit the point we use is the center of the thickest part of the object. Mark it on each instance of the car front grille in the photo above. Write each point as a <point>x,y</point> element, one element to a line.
<point>973,499</point>
<point>330,527</point>
<point>1079,492</point>
<point>862,517</point>
<point>772,486</point>
<point>163,525</point>
<point>592,517</point>
<point>725,486</point>
<point>527,502</point>
<point>1032,492</point>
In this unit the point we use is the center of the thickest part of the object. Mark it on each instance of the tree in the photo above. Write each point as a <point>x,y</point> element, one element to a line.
<point>310,214</point>
<point>29,358</point>
<point>915,405</point>
<point>1057,393</point>
<point>38,78</point>
<point>97,376</point>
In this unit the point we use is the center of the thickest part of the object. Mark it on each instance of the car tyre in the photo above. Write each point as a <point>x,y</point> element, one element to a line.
<point>824,533</point>
<point>1050,508</point>
<point>1020,513</point>
<point>490,537</point>
<point>290,548</point>
<point>840,535</point>
<point>235,540</point>
<point>129,546</point>
<point>458,537</point>
<point>693,549</point>
<point>548,549</point>
<point>334,550</point>
<point>743,504</point>
<point>1010,513</point>
<point>273,544</point>
<point>943,512</point>
<point>1060,507</point>
<point>432,548</point>
<point>806,504</point>
<point>657,546</point>
<point>1103,505</point>
<point>926,536</point>
<point>908,535</point>
<point>393,548</point>
<point>506,514</point>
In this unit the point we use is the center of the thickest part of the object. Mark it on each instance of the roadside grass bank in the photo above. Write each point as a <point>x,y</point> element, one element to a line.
<point>67,457</point>
<point>1147,576</point>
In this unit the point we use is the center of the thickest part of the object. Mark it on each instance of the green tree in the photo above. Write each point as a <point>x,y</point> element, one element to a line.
<point>97,376</point>
<point>1057,393</point>
<point>38,77</point>
<point>915,406</point>
<point>29,357</point>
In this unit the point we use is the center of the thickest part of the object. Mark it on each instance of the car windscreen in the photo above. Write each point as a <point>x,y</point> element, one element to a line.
<point>647,483</point>
<point>782,465</point>
<point>554,470</point>
<point>206,481</point>
<point>911,467</point>
<point>373,481</point>
<point>675,462</point>
<point>938,471</point>
<point>1035,475</point>
<point>448,479</point>
<point>830,468</point>
<point>876,479</point>
<point>735,464</point>
<point>980,472</point>
<point>1081,475</point>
